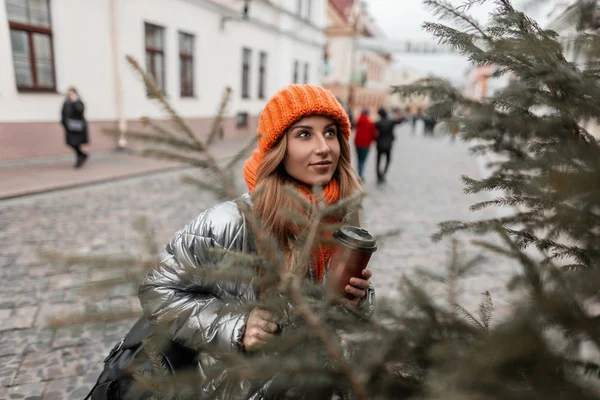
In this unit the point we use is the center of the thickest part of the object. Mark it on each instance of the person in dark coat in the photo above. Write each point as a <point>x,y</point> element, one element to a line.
<point>75,125</point>
<point>429,123</point>
<point>385,139</point>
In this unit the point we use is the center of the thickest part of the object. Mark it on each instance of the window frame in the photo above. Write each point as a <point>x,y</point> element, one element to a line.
<point>153,51</point>
<point>262,67</point>
<point>189,89</point>
<point>246,66</point>
<point>305,73</point>
<point>296,75</point>
<point>30,30</point>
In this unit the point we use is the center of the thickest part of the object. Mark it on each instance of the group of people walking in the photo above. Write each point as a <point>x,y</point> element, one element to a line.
<point>380,132</point>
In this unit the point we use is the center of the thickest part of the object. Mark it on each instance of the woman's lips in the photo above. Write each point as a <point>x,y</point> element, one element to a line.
<point>322,166</point>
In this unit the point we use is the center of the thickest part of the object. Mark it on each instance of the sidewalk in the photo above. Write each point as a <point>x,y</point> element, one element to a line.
<point>37,176</point>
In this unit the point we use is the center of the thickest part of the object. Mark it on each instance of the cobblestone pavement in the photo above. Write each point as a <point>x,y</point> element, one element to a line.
<point>36,362</point>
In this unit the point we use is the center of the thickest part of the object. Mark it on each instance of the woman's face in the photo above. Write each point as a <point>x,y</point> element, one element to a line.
<point>313,150</point>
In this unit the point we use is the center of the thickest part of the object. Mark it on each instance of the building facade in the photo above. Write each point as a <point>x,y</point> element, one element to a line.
<point>355,74</point>
<point>194,49</point>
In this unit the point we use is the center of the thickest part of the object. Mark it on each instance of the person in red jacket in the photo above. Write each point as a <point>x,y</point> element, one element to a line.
<point>365,135</point>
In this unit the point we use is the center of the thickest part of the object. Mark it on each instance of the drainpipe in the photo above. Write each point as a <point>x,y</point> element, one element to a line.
<point>116,61</point>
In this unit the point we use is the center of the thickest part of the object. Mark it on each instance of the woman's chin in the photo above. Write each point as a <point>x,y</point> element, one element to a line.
<point>321,181</point>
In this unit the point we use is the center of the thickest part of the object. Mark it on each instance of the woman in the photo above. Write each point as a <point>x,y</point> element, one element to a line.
<point>73,120</point>
<point>365,134</point>
<point>303,141</point>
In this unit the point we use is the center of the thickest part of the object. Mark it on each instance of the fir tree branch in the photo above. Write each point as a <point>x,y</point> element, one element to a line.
<point>468,316</point>
<point>293,289</point>
<point>160,98</point>
<point>486,310</point>
<point>179,144</point>
<point>215,128</point>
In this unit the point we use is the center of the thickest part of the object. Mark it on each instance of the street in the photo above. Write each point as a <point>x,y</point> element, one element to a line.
<point>423,188</point>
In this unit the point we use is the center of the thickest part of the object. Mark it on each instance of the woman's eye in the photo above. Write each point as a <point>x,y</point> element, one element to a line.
<point>331,133</point>
<point>303,134</point>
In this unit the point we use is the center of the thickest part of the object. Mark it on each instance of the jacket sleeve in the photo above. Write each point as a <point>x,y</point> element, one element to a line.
<point>195,310</point>
<point>367,303</point>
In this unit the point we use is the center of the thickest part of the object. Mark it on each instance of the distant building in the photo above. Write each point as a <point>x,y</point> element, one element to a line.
<point>194,49</point>
<point>405,76</point>
<point>355,74</point>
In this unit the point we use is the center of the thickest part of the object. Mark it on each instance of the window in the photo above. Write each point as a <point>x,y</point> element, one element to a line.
<point>296,72</point>
<point>299,7</point>
<point>262,67</point>
<point>308,8</point>
<point>246,55</point>
<point>155,54</point>
<point>31,39</point>
<point>306,72</point>
<point>186,64</point>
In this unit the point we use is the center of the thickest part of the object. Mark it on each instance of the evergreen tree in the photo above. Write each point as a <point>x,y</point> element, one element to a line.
<point>420,346</point>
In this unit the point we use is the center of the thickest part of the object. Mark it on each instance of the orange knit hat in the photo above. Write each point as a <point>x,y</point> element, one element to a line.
<point>285,108</point>
<point>292,103</point>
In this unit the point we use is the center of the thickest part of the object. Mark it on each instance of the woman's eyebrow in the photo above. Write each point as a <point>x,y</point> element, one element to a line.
<point>310,127</point>
<point>302,126</point>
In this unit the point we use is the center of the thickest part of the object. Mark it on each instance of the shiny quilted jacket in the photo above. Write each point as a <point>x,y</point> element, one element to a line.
<point>200,312</point>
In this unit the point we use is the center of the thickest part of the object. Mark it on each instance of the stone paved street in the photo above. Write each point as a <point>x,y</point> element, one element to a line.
<point>36,362</point>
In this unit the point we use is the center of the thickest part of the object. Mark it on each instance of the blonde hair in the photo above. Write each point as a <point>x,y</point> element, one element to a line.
<point>271,197</point>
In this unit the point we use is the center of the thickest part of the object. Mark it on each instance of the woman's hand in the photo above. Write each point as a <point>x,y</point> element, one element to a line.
<point>358,287</point>
<point>260,328</point>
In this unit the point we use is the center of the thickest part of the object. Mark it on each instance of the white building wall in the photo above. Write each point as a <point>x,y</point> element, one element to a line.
<point>82,51</point>
<point>82,59</point>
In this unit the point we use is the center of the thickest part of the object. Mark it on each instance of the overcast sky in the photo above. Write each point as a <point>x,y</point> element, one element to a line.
<point>402,19</point>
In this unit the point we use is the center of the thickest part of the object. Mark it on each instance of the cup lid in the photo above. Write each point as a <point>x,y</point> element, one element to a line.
<point>356,238</point>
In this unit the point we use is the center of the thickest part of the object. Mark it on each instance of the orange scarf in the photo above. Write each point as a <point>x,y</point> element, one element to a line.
<point>321,252</point>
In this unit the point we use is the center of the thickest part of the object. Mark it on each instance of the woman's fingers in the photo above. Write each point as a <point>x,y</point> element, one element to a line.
<point>259,329</point>
<point>359,283</point>
<point>358,293</point>
<point>264,314</point>
<point>252,343</point>
<point>367,274</point>
<point>269,327</point>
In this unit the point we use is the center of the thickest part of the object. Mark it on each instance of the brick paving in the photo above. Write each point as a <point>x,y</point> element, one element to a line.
<point>37,362</point>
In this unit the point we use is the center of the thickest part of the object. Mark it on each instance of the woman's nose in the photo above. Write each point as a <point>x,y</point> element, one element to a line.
<point>322,146</point>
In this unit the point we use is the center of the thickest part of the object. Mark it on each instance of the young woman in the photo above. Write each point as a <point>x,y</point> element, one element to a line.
<point>303,141</point>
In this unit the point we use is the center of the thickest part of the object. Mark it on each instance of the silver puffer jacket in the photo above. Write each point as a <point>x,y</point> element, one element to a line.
<point>198,312</point>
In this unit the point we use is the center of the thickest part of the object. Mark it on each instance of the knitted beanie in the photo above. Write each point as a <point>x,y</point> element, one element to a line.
<point>285,108</point>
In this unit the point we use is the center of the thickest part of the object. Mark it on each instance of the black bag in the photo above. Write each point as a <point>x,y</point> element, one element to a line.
<point>115,381</point>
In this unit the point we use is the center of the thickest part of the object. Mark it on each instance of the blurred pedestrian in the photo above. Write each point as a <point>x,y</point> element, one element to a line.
<point>365,134</point>
<point>429,123</point>
<point>76,129</point>
<point>415,117</point>
<point>385,138</point>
